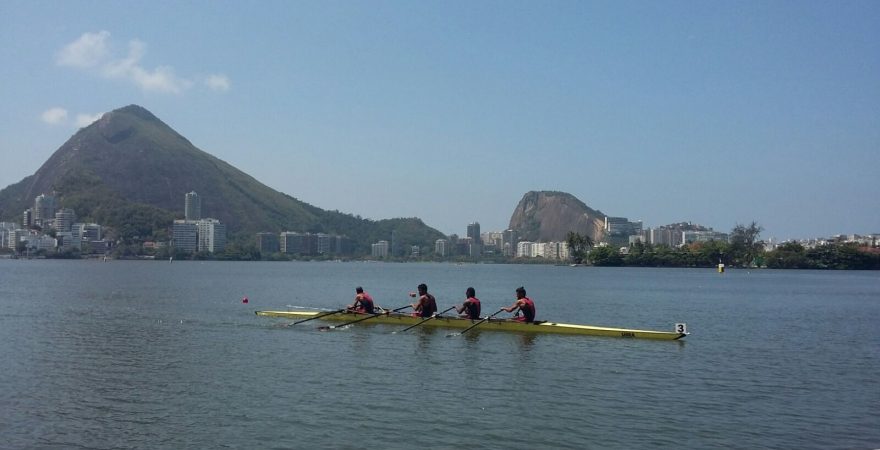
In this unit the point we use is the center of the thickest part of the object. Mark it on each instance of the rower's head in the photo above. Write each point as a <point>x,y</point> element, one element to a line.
<point>520,292</point>
<point>470,292</point>
<point>359,290</point>
<point>423,289</point>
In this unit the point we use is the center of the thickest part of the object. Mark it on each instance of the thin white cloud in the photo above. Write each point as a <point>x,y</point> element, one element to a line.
<point>160,79</point>
<point>84,120</point>
<point>88,51</point>
<point>218,82</point>
<point>54,116</point>
<point>91,52</point>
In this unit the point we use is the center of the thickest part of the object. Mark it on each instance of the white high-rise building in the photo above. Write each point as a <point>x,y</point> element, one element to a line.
<point>524,249</point>
<point>440,246</point>
<point>212,235</point>
<point>192,207</point>
<point>380,249</point>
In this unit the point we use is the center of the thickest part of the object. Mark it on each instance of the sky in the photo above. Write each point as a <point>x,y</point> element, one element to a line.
<point>716,113</point>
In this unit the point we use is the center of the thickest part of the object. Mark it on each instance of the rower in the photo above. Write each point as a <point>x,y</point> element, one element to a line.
<point>522,305</point>
<point>427,304</point>
<point>363,303</point>
<point>471,306</point>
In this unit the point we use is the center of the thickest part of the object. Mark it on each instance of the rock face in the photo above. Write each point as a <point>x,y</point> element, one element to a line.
<point>544,216</point>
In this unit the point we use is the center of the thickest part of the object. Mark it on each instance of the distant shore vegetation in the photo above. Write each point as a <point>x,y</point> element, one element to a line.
<point>742,250</point>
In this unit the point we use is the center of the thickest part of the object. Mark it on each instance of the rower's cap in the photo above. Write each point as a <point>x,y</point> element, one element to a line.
<point>359,290</point>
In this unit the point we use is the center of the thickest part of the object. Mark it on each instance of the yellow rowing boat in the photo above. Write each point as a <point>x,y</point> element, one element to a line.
<point>679,332</point>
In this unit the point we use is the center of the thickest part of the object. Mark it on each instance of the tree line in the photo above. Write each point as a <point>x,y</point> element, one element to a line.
<point>743,249</point>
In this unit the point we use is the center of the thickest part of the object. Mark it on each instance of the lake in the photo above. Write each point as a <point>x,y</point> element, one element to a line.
<point>149,354</point>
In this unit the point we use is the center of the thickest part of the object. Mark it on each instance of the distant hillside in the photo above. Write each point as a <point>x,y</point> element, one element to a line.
<point>544,216</point>
<point>129,170</point>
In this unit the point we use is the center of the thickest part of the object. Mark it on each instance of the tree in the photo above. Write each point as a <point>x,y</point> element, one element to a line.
<point>744,244</point>
<point>578,246</point>
<point>606,256</point>
<point>708,254</point>
<point>790,255</point>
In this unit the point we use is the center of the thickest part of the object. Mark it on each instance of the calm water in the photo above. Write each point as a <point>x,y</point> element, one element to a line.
<point>158,355</point>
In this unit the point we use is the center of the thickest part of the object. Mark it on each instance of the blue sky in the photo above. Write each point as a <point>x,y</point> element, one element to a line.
<point>712,112</point>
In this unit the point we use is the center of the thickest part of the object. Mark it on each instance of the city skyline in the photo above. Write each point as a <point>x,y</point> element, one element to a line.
<point>715,114</point>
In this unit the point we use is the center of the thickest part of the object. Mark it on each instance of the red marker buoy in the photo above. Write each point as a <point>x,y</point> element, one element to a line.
<point>244,300</point>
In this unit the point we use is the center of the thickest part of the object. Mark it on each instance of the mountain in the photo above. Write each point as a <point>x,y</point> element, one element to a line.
<point>130,171</point>
<point>544,216</point>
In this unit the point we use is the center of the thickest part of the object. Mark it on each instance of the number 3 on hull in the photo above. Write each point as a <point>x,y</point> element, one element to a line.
<point>681,328</point>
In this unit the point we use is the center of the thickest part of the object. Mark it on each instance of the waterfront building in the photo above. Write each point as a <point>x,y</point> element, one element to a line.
<point>86,231</point>
<point>463,246</point>
<point>309,244</point>
<point>291,242</point>
<point>689,237</point>
<point>5,229</point>
<point>380,249</point>
<point>395,243</point>
<point>322,242</point>
<point>415,251</point>
<point>556,250</point>
<point>211,235</point>
<point>494,238</point>
<point>666,236</point>
<point>44,209</point>
<point>619,229</point>
<point>342,245</point>
<point>64,219</point>
<point>267,243</point>
<point>473,232</point>
<point>27,218</point>
<point>524,249</point>
<point>509,240</point>
<point>440,247</point>
<point>15,236</point>
<point>184,235</point>
<point>65,241</point>
<point>192,206</point>
<point>539,249</point>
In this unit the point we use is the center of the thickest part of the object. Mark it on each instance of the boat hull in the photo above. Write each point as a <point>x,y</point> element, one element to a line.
<point>405,320</point>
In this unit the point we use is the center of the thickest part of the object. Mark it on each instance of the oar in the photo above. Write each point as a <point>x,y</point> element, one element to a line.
<point>333,327</point>
<point>424,320</point>
<point>468,328</point>
<point>317,317</point>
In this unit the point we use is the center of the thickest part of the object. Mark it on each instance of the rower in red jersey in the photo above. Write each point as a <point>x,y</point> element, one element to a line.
<point>471,307</point>
<point>427,304</point>
<point>363,303</point>
<point>522,305</point>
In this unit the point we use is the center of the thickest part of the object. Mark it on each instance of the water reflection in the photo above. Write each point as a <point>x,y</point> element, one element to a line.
<point>527,342</point>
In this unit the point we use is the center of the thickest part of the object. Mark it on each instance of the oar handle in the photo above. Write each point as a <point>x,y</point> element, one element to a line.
<point>365,318</point>
<point>426,319</point>
<point>474,325</point>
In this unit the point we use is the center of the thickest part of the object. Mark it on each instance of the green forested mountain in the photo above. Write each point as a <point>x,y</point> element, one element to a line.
<point>130,171</point>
